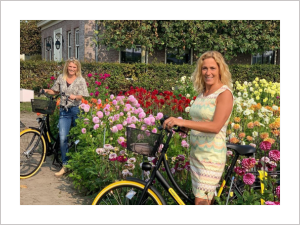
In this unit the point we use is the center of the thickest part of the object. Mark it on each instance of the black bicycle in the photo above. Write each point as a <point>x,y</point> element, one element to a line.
<point>37,143</point>
<point>133,191</point>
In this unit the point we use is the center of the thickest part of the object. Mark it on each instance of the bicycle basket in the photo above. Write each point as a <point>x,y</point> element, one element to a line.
<point>43,106</point>
<point>142,142</point>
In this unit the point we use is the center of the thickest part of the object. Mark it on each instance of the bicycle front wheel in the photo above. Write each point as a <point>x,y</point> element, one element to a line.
<point>126,193</point>
<point>32,152</point>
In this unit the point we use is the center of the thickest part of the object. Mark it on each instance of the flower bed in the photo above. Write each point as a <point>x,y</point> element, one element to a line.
<point>102,156</point>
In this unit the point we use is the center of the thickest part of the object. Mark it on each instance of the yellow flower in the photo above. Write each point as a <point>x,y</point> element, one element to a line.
<point>237,119</point>
<point>257,98</point>
<point>260,90</point>
<point>271,140</point>
<point>257,79</point>
<point>236,126</point>
<point>256,85</point>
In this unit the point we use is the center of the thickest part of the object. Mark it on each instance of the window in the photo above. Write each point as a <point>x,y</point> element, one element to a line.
<point>266,58</point>
<point>45,45</point>
<point>131,55</point>
<point>77,43</point>
<point>171,56</point>
<point>69,45</point>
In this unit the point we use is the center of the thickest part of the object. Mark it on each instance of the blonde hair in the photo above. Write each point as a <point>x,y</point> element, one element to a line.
<point>225,74</point>
<point>77,63</point>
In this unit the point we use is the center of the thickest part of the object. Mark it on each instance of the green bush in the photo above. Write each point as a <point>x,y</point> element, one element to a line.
<point>36,74</point>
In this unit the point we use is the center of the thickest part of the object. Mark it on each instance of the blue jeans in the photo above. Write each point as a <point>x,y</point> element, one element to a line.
<point>66,120</point>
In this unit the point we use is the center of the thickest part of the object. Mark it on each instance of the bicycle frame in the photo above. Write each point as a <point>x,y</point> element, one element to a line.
<point>181,201</point>
<point>162,180</point>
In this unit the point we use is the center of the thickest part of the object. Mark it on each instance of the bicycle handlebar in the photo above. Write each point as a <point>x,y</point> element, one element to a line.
<point>176,129</point>
<point>47,95</point>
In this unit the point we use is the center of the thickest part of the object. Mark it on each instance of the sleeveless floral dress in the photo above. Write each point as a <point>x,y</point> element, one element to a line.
<point>208,150</point>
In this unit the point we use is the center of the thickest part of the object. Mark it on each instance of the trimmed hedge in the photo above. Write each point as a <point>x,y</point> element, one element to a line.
<point>36,74</point>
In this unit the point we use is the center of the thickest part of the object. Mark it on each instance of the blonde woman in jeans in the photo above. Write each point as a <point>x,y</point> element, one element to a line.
<point>73,85</point>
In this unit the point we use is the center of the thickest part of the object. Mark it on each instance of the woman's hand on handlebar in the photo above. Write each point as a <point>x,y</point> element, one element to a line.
<point>172,121</point>
<point>47,91</point>
<point>72,97</point>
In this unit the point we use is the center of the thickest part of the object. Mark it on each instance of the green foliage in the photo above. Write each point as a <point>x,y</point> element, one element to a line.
<point>35,74</point>
<point>243,73</point>
<point>229,37</point>
<point>30,37</point>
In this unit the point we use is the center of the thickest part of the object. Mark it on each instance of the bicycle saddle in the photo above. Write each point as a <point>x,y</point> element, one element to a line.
<point>242,149</point>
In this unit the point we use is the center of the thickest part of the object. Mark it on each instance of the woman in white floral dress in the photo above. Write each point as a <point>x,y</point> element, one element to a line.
<point>210,115</point>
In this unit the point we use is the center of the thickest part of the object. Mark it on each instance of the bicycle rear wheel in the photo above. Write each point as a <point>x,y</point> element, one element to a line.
<point>126,193</point>
<point>32,152</point>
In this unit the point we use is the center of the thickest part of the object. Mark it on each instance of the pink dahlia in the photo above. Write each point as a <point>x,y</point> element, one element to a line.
<point>184,144</point>
<point>180,157</point>
<point>248,163</point>
<point>112,156</point>
<point>121,139</point>
<point>96,119</point>
<point>159,116</point>
<point>142,115</point>
<point>147,121</point>
<point>269,203</point>
<point>265,145</point>
<point>229,153</point>
<point>272,203</point>
<point>240,171</point>
<point>114,129</point>
<point>249,178</point>
<point>100,114</point>
<point>278,191</point>
<point>274,155</point>
<point>124,144</point>
<point>119,126</point>
<point>121,158</point>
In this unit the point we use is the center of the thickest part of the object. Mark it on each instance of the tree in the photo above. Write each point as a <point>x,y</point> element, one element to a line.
<point>229,37</point>
<point>30,37</point>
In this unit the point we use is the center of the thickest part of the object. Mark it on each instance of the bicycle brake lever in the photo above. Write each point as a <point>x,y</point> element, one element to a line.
<point>42,92</point>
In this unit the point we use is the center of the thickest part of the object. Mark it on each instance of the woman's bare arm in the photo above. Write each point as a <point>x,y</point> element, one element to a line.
<point>223,109</point>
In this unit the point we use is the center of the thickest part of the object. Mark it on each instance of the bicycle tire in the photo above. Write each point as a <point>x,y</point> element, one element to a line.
<point>31,163</point>
<point>115,194</point>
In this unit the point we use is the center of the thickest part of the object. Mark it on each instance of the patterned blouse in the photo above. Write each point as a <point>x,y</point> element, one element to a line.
<point>78,87</point>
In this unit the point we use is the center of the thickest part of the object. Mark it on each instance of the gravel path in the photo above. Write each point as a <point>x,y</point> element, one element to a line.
<point>44,188</point>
